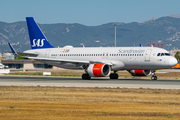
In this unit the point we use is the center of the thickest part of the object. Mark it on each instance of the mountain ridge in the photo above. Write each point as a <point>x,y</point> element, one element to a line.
<point>164,29</point>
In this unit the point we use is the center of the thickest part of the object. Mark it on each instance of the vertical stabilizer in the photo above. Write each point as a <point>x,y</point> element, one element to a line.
<point>37,38</point>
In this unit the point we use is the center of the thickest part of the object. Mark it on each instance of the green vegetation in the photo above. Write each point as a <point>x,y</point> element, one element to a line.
<point>177,56</point>
<point>11,107</point>
<point>41,74</point>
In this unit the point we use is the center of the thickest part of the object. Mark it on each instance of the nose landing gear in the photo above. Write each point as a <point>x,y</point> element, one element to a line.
<point>154,77</point>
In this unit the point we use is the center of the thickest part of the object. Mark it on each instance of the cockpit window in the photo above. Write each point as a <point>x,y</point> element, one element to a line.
<point>167,54</point>
<point>164,54</point>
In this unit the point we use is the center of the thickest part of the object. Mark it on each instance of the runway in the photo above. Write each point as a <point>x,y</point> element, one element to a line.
<point>94,82</point>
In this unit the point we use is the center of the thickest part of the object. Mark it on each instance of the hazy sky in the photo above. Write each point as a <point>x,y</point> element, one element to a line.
<point>87,12</point>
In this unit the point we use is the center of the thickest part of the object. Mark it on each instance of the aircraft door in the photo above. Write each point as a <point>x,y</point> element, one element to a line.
<point>47,53</point>
<point>147,55</point>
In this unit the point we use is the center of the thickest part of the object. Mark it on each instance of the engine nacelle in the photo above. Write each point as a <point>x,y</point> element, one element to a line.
<point>140,72</point>
<point>99,70</point>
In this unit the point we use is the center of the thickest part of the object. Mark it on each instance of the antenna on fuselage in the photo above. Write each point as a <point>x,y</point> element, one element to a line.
<point>82,45</point>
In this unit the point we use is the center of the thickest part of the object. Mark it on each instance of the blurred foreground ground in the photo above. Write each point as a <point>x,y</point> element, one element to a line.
<point>88,103</point>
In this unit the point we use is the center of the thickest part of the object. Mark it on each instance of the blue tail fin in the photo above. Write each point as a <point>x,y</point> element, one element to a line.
<point>37,38</point>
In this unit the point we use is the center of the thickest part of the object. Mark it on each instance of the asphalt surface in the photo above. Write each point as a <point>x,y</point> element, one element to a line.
<point>94,82</point>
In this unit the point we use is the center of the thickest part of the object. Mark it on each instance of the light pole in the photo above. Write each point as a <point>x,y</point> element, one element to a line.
<point>115,34</point>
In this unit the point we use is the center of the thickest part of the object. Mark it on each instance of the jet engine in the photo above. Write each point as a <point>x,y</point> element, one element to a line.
<point>99,70</point>
<point>140,72</point>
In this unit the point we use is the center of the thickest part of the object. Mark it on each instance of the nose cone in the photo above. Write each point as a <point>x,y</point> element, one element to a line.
<point>172,62</point>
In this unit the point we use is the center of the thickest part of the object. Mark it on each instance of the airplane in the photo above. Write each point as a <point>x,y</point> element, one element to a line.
<point>3,66</point>
<point>96,61</point>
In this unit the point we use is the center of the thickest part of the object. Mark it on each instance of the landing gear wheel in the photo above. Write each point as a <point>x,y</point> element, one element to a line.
<point>154,78</point>
<point>114,76</point>
<point>86,77</point>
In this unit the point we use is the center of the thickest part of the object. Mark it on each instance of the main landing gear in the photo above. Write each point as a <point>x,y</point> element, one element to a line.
<point>86,77</point>
<point>114,75</point>
<point>154,77</point>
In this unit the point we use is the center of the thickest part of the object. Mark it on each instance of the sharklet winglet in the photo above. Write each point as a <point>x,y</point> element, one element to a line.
<point>12,49</point>
<point>14,52</point>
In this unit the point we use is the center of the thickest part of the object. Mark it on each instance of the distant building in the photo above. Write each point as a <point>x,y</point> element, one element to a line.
<point>25,64</point>
<point>7,56</point>
<point>173,51</point>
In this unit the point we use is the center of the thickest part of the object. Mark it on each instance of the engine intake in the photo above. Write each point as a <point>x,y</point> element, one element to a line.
<point>99,70</point>
<point>140,72</point>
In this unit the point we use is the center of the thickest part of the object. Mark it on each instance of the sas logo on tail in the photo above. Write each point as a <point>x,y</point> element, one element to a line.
<point>38,43</point>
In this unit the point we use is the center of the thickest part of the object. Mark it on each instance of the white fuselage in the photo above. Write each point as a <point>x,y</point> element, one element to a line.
<point>121,58</point>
